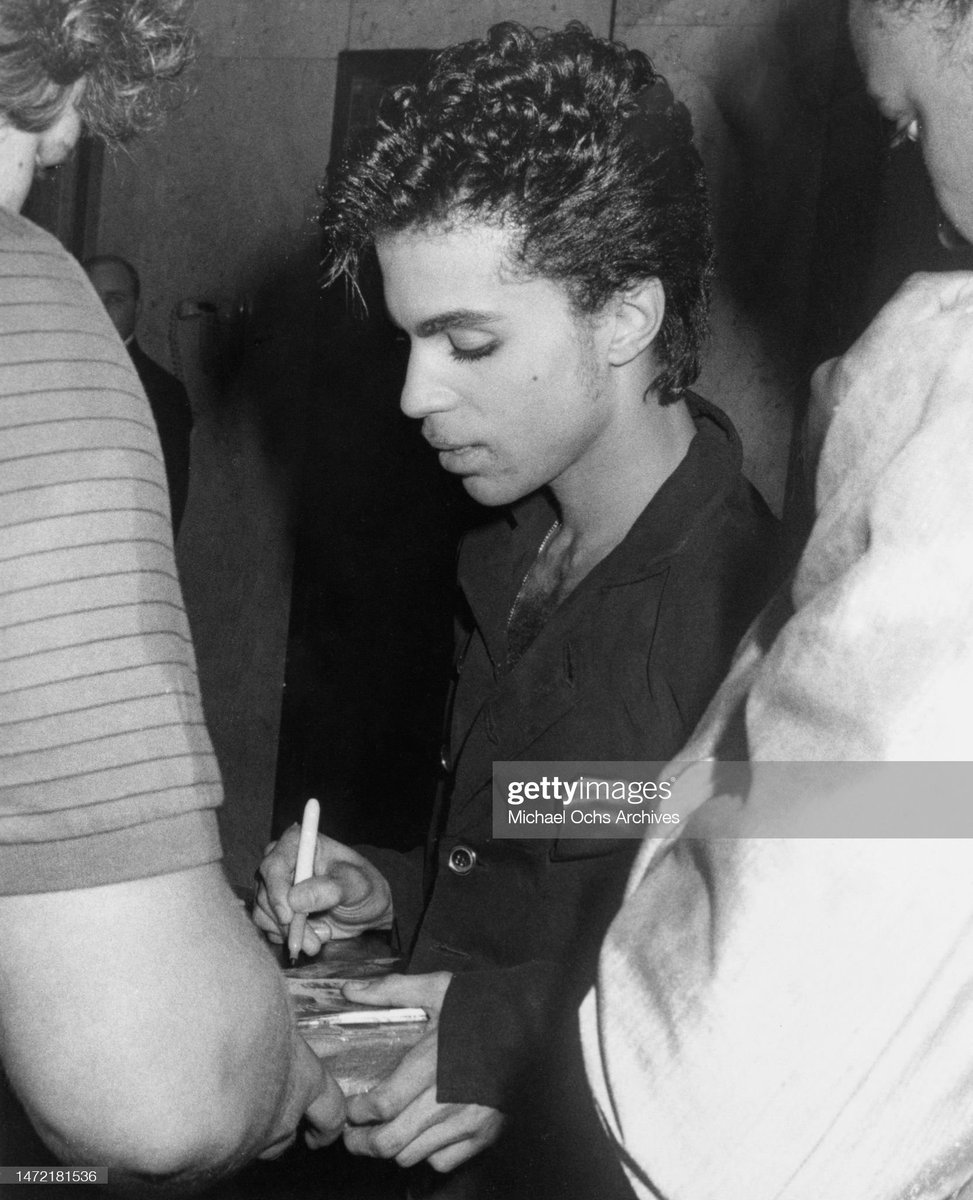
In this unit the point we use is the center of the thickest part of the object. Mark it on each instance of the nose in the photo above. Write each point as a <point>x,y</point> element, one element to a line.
<point>424,391</point>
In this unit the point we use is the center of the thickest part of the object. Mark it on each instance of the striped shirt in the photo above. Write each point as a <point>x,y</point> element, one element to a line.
<point>106,768</point>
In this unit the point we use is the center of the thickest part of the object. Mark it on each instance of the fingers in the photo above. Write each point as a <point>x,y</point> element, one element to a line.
<point>401,1118</point>
<point>455,1155</point>
<point>355,886</point>
<point>411,991</point>
<point>445,1134</point>
<point>325,1115</point>
<point>278,897</point>
<point>485,1126</point>
<point>277,931</point>
<point>415,1074</point>
<point>312,941</point>
<point>320,893</point>
<point>392,1139</point>
<point>276,875</point>
<point>264,919</point>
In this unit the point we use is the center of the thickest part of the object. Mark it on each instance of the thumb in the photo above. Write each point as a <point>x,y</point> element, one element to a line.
<point>388,991</point>
<point>341,885</point>
<point>355,885</point>
<point>407,991</point>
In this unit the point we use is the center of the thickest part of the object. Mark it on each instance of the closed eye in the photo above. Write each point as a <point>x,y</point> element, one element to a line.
<point>471,353</point>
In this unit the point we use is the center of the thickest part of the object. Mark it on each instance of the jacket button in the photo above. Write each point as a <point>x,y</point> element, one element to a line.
<point>462,860</point>
<point>444,760</point>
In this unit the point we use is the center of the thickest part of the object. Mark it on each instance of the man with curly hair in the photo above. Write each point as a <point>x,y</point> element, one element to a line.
<point>143,1026</point>
<point>540,218</point>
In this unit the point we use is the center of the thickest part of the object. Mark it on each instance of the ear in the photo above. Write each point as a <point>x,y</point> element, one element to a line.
<point>637,317</point>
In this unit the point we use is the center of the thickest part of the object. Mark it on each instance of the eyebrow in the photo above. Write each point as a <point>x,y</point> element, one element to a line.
<point>460,318</point>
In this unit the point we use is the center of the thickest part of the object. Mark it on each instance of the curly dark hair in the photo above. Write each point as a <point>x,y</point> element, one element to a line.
<point>128,55</point>
<point>573,142</point>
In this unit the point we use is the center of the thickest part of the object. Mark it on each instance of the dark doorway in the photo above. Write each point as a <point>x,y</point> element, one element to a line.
<point>370,639</point>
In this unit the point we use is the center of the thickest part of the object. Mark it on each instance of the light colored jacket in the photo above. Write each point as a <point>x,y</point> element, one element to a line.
<point>791,1018</point>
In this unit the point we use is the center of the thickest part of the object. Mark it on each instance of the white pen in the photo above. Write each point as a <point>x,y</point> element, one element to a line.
<point>303,869</point>
<point>376,1016</point>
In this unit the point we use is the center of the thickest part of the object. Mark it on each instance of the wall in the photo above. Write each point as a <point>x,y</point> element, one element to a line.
<point>756,75</point>
<point>221,204</point>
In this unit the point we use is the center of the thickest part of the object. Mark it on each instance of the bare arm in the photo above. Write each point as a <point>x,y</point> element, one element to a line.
<point>146,1029</point>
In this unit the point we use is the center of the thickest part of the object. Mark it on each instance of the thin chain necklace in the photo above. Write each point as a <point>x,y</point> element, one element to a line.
<point>537,557</point>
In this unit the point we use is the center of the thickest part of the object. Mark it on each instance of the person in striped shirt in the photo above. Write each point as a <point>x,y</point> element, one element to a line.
<point>143,1027</point>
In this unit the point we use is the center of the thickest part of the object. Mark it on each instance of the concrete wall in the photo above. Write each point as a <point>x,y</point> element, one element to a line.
<point>221,204</point>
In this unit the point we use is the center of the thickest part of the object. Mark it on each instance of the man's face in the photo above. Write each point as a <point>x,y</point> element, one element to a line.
<point>509,383</point>
<point>919,71</point>
<point>116,287</point>
<point>24,155</point>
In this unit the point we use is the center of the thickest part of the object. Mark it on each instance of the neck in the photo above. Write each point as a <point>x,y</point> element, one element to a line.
<point>604,495</point>
<point>600,499</point>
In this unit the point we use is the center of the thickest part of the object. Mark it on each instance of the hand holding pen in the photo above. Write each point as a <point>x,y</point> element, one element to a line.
<point>342,896</point>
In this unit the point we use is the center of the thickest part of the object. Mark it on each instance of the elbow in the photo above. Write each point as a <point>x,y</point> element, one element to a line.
<point>153,1146</point>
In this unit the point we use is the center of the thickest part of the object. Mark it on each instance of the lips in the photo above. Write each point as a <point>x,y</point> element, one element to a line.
<point>457,457</point>
<point>443,446</point>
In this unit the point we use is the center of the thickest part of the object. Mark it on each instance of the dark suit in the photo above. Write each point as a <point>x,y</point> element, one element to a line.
<point>622,670</point>
<point>174,422</point>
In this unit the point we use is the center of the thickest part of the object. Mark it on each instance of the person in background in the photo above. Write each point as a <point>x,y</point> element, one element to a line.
<point>118,286</point>
<point>143,1026</point>
<point>786,1018</point>
<point>540,217</point>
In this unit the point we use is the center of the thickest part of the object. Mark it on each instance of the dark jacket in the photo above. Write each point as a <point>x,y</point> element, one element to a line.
<point>174,422</point>
<point>622,670</point>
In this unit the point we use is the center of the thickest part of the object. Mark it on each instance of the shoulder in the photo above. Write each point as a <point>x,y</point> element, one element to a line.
<point>55,328</point>
<point>17,233</point>
<point>35,266</point>
<point>732,557</point>
<point>734,514</point>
